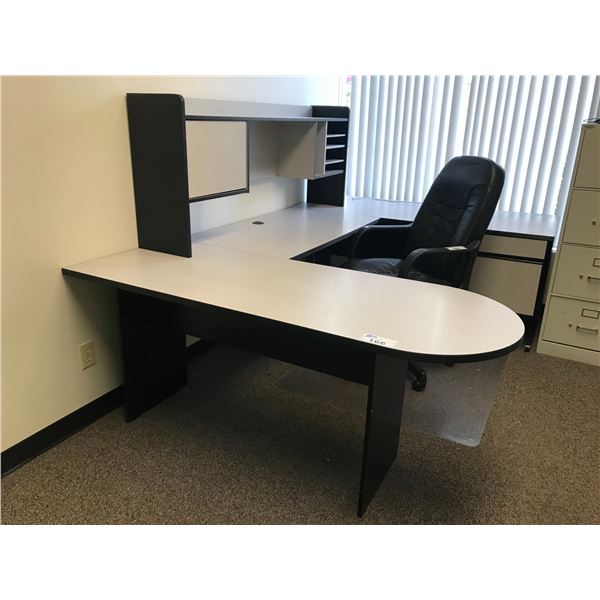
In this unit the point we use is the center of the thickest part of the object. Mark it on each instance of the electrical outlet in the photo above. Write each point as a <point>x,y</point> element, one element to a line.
<point>87,353</point>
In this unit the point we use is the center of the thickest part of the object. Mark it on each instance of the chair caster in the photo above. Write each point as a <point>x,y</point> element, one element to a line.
<point>420,376</point>
<point>418,385</point>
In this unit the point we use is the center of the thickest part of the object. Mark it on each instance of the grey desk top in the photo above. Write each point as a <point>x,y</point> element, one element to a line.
<point>420,320</point>
<point>244,267</point>
<point>289,232</point>
<point>506,223</point>
<point>286,233</point>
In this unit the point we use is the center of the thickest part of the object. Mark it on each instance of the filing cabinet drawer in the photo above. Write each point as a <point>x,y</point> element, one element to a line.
<point>513,246</point>
<point>583,221</point>
<point>573,322</point>
<point>578,272</point>
<point>588,173</point>
<point>510,282</point>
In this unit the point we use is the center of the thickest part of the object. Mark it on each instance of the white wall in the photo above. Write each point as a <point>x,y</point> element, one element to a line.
<point>67,197</point>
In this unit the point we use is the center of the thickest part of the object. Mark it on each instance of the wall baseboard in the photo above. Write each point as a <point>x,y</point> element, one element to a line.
<point>22,452</point>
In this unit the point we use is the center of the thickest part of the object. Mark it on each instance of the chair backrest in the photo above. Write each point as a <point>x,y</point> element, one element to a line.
<point>456,211</point>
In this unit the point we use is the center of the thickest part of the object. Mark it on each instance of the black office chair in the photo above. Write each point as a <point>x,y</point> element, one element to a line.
<point>441,244</point>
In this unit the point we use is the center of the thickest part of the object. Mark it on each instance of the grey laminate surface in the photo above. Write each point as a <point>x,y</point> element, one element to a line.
<point>530,225</point>
<point>423,320</point>
<point>297,229</point>
<point>286,233</point>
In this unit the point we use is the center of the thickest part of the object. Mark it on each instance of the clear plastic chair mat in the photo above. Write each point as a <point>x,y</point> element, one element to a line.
<point>455,405</point>
<point>457,401</point>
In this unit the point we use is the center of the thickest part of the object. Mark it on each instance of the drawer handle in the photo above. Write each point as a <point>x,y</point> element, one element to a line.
<point>593,278</point>
<point>588,329</point>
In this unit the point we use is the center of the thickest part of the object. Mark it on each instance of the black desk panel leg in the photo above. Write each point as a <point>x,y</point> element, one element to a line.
<point>382,430</point>
<point>153,353</point>
<point>531,325</point>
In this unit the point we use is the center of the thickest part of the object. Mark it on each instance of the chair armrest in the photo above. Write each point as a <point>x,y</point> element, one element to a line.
<point>409,262</point>
<point>369,229</point>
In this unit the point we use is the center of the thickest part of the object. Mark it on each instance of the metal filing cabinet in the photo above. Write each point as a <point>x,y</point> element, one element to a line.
<point>571,324</point>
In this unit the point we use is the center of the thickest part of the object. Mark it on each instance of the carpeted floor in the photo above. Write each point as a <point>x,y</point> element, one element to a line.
<point>252,440</point>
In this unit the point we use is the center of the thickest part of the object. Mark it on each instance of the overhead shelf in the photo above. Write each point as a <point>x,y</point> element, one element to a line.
<point>197,109</point>
<point>265,118</point>
<point>329,173</point>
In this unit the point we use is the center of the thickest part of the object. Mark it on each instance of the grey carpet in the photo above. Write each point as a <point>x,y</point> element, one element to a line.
<point>252,440</point>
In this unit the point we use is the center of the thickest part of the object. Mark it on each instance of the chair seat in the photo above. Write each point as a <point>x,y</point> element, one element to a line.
<point>390,267</point>
<point>381,266</point>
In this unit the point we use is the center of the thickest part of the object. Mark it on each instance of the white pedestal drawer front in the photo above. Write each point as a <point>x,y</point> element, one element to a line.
<point>583,221</point>
<point>514,246</point>
<point>578,272</point>
<point>510,282</point>
<point>573,322</point>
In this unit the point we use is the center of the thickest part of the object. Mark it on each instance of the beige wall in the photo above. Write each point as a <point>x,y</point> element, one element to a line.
<point>67,196</point>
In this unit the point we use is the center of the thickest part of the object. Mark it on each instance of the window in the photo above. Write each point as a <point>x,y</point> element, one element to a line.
<point>404,129</point>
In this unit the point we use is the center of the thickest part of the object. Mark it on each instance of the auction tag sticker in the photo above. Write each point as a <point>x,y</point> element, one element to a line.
<point>379,341</point>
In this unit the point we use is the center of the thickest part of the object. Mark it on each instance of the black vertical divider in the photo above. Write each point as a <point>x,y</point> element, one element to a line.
<point>332,189</point>
<point>154,353</point>
<point>160,178</point>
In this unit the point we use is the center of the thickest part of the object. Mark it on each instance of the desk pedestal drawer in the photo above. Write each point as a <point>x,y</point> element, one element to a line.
<point>573,322</point>
<point>513,246</point>
<point>578,272</point>
<point>510,282</point>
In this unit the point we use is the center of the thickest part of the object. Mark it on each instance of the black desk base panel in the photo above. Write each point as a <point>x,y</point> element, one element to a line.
<point>154,358</point>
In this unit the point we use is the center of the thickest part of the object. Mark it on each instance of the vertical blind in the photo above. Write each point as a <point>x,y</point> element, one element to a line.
<point>403,130</point>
